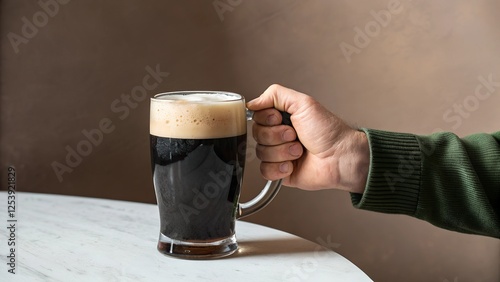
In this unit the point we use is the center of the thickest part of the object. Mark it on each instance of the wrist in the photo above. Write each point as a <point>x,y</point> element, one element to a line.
<point>355,164</point>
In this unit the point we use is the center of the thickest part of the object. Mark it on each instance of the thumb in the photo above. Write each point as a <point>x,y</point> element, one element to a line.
<point>280,98</point>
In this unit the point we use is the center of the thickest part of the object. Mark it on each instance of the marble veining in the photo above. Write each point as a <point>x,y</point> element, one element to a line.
<point>65,238</point>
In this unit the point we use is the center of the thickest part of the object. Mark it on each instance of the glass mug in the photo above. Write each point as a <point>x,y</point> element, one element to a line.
<point>198,149</point>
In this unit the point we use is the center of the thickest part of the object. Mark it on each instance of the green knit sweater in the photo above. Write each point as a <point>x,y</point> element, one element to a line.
<point>450,182</point>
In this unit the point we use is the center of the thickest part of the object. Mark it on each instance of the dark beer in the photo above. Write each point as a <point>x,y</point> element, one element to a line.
<point>197,184</point>
<point>198,148</point>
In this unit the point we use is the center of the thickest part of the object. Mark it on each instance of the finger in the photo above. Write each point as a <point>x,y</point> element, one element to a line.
<point>281,98</point>
<point>267,117</point>
<point>280,153</point>
<point>275,171</point>
<point>273,135</point>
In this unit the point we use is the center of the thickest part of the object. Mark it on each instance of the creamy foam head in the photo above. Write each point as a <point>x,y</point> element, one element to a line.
<point>198,115</point>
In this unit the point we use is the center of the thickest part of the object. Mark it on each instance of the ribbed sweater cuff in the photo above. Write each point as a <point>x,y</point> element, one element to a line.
<point>393,182</point>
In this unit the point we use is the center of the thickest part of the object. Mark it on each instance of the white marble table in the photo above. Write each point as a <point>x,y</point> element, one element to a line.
<point>63,238</point>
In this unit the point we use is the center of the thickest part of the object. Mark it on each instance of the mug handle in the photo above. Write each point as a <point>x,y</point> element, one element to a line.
<point>270,190</point>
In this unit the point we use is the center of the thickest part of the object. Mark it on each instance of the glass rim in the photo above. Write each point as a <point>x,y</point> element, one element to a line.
<point>159,97</point>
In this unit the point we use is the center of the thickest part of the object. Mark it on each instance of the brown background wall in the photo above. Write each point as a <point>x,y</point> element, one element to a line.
<point>410,75</point>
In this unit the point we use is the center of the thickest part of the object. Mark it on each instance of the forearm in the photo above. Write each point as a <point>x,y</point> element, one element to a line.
<point>450,182</point>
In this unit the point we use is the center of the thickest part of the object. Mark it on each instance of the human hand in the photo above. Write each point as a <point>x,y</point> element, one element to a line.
<point>328,153</point>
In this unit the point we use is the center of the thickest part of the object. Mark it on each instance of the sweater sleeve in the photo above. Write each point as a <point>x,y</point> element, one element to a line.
<point>450,182</point>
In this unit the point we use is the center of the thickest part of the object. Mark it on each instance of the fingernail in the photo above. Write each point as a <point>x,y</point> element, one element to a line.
<point>284,167</point>
<point>272,120</point>
<point>288,135</point>
<point>295,150</point>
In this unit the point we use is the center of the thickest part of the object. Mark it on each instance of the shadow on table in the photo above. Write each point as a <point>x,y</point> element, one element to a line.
<point>285,246</point>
